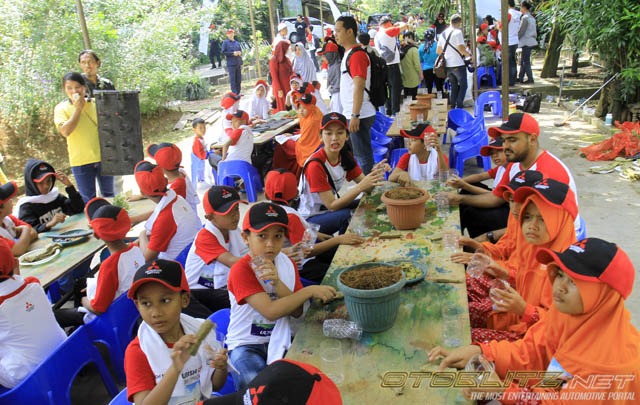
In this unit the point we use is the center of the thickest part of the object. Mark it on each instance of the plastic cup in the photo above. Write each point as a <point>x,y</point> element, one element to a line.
<point>420,118</point>
<point>450,241</point>
<point>331,356</point>
<point>442,204</point>
<point>451,326</point>
<point>478,264</point>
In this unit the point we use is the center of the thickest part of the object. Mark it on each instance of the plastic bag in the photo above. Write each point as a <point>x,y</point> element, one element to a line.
<point>625,143</point>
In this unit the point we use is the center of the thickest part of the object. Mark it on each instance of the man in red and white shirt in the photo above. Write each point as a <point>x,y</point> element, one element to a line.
<point>521,147</point>
<point>173,225</point>
<point>386,43</point>
<point>354,80</point>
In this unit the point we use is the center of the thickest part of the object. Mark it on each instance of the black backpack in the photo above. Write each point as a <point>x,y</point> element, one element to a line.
<point>532,103</point>
<point>378,91</point>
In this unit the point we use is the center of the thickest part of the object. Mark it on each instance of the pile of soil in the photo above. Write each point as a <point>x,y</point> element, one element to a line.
<point>403,193</point>
<point>371,278</point>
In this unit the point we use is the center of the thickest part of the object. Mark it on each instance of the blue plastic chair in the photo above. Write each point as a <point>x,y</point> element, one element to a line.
<point>490,73</point>
<point>182,256</point>
<point>396,154</point>
<point>379,137</point>
<point>456,118</point>
<point>120,399</point>
<point>227,170</point>
<point>468,149</point>
<point>493,99</point>
<point>115,329</point>
<point>383,118</point>
<point>197,170</point>
<point>463,133</point>
<point>582,232</point>
<point>50,383</point>
<point>221,318</point>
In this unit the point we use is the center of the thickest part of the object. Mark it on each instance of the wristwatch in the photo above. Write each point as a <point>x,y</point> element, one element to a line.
<point>355,115</point>
<point>490,237</point>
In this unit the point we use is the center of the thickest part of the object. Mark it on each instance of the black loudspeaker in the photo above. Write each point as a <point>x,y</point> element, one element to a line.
<point>120,130</point>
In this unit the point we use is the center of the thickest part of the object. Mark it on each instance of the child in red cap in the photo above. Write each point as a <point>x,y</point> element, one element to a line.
<point>471,183</point>
<point>587,333</point>
<point>239,144</point>
<point>262,300</point>
<point>28,329</point>
<point>173,225</point>
<point>259,106</point>
<point>15,232</point>
<point>281,187</point>
<point>110,224</point>
<point>158,363</point>
<point>169,157</point>
<point>295,82</point>
<point>217,247</point>
<point>424,159</point>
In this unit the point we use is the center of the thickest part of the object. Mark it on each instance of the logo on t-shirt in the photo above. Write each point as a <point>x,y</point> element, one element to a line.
<point>29,306</point>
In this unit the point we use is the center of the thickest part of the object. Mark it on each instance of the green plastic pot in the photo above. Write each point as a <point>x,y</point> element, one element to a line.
<point>374,310</point>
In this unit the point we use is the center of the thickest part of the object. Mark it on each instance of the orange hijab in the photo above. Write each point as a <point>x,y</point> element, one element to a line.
<point>309,140</point>
<point>531,280</point>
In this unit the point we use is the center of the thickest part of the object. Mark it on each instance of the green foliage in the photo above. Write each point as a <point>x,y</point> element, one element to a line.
<point>143,44</point>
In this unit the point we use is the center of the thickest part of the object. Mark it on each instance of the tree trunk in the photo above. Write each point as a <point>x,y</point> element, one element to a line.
<point>603,103</point>
<point>552,56</point>
<point>574,61</point>
<point>617,105</point>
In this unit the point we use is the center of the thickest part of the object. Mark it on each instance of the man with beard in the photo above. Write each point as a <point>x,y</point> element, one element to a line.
<point>481,213</point>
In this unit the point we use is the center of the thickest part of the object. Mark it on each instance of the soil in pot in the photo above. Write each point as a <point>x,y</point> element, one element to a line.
<point>402,193</point>
<point>371,278</point>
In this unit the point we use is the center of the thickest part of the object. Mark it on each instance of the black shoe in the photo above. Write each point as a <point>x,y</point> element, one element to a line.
<point>530,81</point>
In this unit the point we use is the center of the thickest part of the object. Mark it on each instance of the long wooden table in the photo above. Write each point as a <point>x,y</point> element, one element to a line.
<point>264,137</point>
<point>403,349</point>
<point>71,257</point>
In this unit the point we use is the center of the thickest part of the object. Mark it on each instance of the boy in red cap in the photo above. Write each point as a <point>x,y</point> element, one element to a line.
<point>110,224</point>
<point>239,144</point>
<point>471,183</point>
<point>169,157</point>
<point>424,159</point>
<point>259,106</point>
<point>263,299</point>
<point>281,187</point>
<point>157,362</point>
<point>28,329</point>
<point>217,247</point>
<point>44,206</point>
<point>586,333</point>
<point>18,234</point>
<point>173,225</point>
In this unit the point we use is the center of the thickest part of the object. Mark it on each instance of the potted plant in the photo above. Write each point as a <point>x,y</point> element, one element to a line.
<point>418,108</point>
<point>405,206</point>
<point>425,99</point>
<point>372,294</point>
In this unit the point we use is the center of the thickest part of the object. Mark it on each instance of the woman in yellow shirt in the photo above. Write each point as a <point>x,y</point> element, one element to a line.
<point>76,120</point>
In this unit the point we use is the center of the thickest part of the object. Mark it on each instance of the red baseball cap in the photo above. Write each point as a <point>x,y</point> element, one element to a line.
<point>280,185</point>
<point>229,99</point>
<point>220,200</point>
<point>109,222</point>
<point>243,115</point>
<point>329,46</point>
<point>306,99</point>
<point>495,144</point>
<point>169,273</point>
<point>553,191</point>
<point>167,155</point>
<point>230,31</point>
<point>150,179</point>
<point>264,215</point>
<point>41,171</point>
<point>418,132</point>
<point>332,117</point>
<point>7,261</point>
<point>521,179</point>
<point>593,260</point>
<point>8,191</point>
<point>517,122</point>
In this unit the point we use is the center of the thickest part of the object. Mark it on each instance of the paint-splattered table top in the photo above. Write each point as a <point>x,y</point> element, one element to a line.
<point>71,257</point>
<point>376,366</point>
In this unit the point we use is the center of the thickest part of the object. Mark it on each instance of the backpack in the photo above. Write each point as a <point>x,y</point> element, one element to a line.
<point>532,103</point>
<point>378,91</point>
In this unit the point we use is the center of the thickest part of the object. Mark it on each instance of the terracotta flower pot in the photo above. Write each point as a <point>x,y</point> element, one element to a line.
<point>425,99</point>
<point>418,108</point>
<point>405,213</point>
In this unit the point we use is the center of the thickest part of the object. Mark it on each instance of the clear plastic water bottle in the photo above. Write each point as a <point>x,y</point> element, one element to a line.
<point>341,329</point>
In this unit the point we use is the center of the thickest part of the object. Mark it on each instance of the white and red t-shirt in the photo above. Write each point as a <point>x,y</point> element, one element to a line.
<point>172,226</point>
<point>8,228</point>
<point>247,325</point>
<point>496,173</point>
<point>315,181</point>
<point>115,277</point>
<point>28,330</point>
<point>551,168</point>
<point>202,267</point>
<point>241,145</point>
<point>297,225</point>
<point>184,188</point>
<point>386,38</point>
<point>419,171</point>
<point>359,66</point>
<point>198,148</point>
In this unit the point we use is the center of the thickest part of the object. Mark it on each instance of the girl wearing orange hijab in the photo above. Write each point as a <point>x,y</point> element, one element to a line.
<point>281,69</point>
<point>546,221</point>
<point>586,336</point>
<point>310,118</point>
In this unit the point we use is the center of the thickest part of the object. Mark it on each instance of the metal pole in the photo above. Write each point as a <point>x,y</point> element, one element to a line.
<point>322,34</point>
<point>472,15</point>
<point>504,17</point>
<point>83,25</point>
<point>256,49</point>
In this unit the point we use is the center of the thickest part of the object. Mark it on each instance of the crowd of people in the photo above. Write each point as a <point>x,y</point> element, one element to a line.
<point>543,302</point>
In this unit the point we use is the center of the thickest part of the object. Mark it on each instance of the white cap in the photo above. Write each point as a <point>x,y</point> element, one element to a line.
<point>282,26</point>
